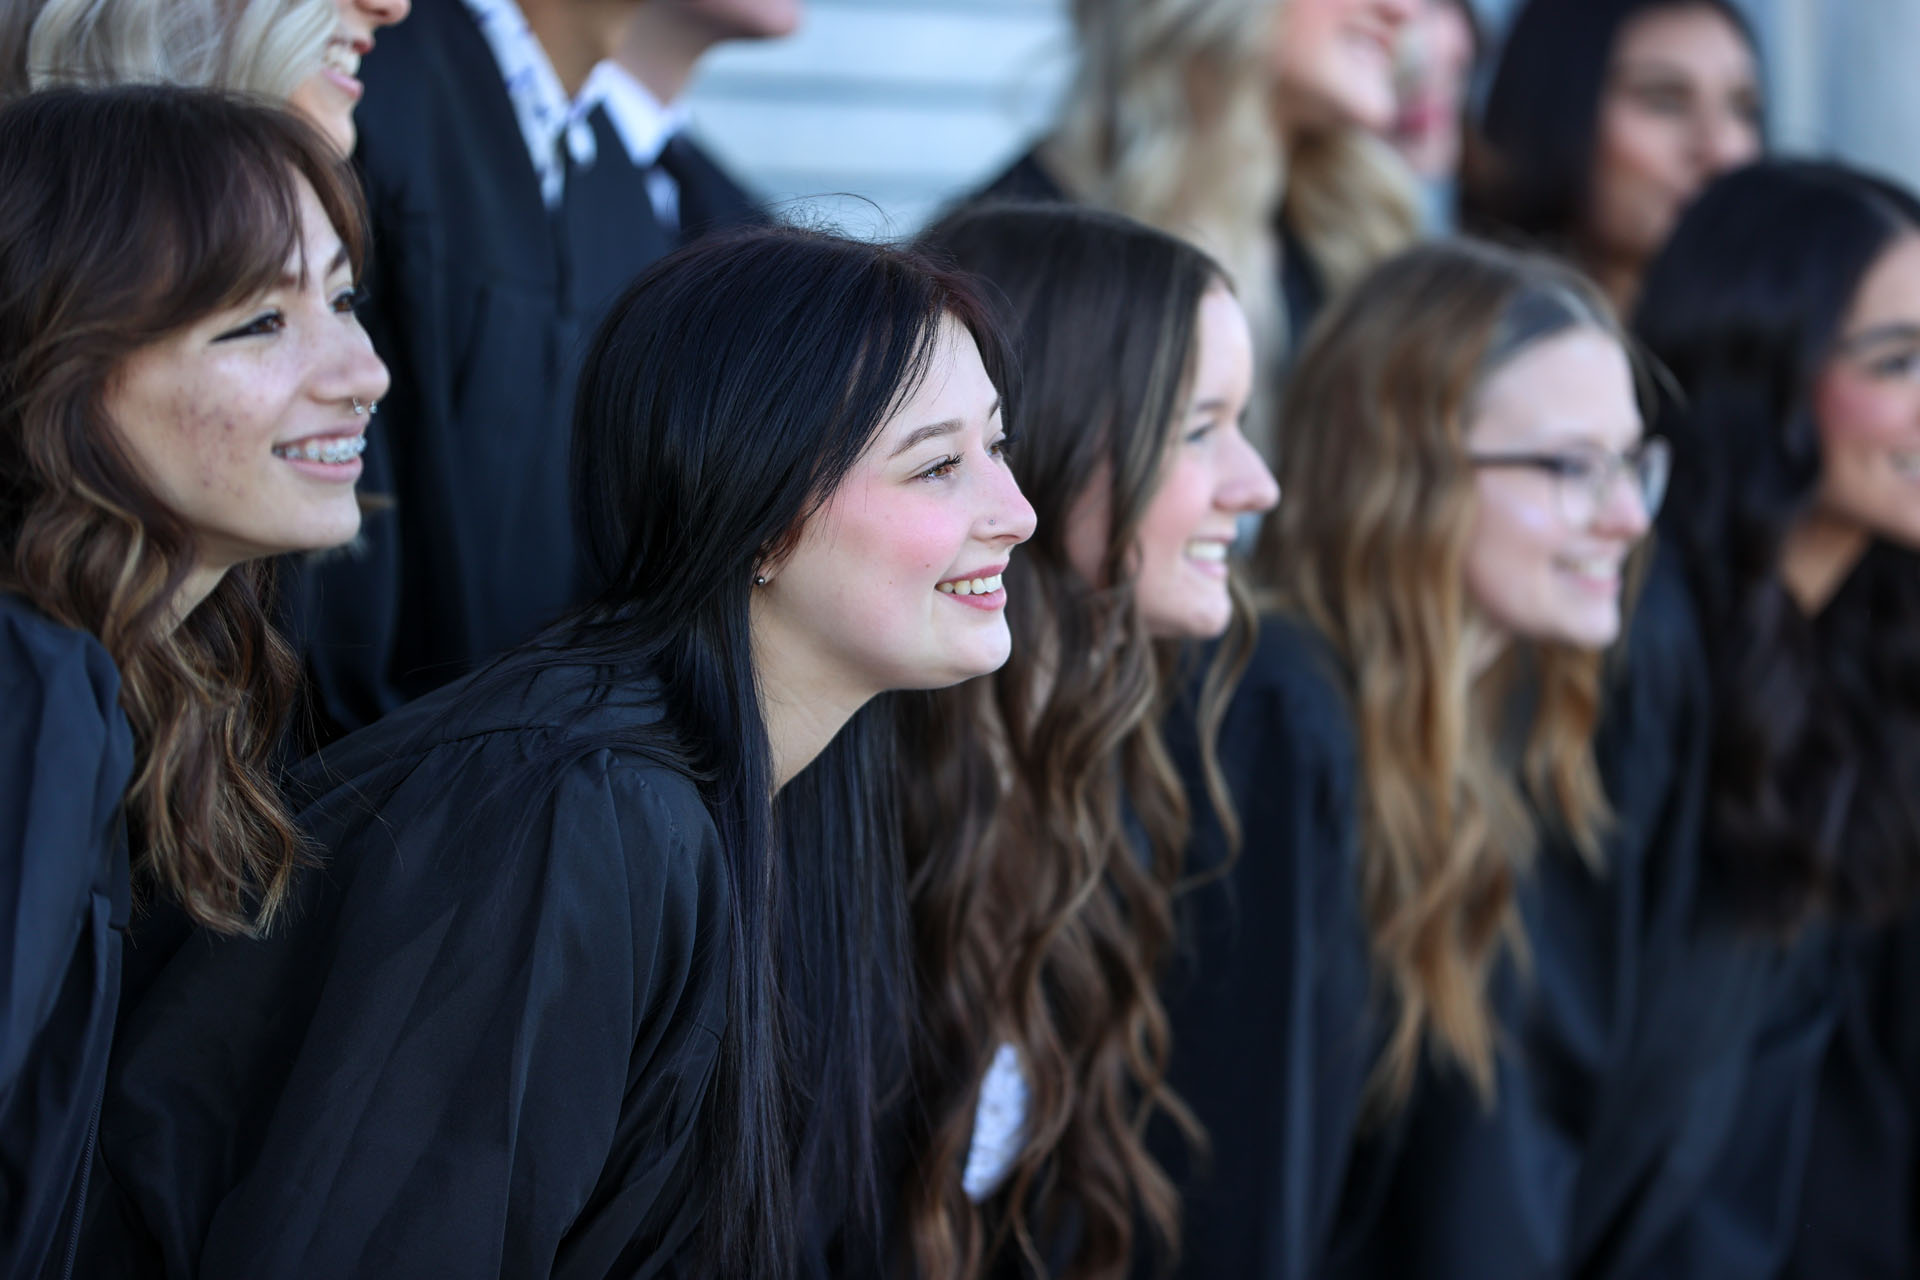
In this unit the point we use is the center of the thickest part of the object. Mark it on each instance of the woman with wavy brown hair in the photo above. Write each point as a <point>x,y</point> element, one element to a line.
<point>184,391</point>
<point>1049,828</point>
<point>1403,1003</point>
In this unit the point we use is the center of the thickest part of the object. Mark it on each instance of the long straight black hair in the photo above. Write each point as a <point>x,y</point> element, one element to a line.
<point>1815,790</point>
<point>1530,175</point>
<point>724,399</point>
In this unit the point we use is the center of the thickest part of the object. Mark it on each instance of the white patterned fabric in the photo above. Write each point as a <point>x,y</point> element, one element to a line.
<point>540,103</point>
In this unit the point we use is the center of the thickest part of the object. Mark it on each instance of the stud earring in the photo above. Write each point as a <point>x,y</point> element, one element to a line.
<point>759,579</point>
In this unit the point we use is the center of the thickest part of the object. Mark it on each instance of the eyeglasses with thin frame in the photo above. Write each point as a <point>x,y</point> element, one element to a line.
<point>1584,475</point>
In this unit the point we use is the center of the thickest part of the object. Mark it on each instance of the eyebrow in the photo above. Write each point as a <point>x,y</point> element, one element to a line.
<point>934,430</point>
<point>1893,330</point>
<point>293,279</point>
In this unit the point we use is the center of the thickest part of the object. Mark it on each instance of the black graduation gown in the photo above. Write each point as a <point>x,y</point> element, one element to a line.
<point>1860,1208</point>
<point>481,301</point>
<point>1625,1039</point>
<point>458,1054</point>
<point>1629,1008</point>
<point>66,757</point>
<point>1269,998</point>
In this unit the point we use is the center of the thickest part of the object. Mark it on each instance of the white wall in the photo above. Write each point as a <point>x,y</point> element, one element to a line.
<point>901,103</point>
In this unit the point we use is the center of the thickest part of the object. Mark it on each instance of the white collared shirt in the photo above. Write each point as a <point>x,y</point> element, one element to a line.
<point>645,125</point>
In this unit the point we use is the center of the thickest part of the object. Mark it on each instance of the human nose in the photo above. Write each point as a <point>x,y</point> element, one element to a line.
<point>351,370</point>
<point>1246,483</point>
<point>1005,515</point>
<point>1398,13</point>
<point>1727,142</point>
<point>1622,507</point>
<point>384,13</point>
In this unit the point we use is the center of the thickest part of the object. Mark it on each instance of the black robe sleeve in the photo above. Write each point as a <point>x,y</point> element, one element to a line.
<point>66,755</point>
<point>1860,1209</point>
<point>1727,1052</point>
<point>1269,1001</point>
<point>459,1057</point>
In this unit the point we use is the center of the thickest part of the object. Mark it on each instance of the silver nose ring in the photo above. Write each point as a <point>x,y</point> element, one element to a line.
<point>365,408</point>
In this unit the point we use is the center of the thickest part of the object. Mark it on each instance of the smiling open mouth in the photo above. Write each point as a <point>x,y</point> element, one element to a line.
<point>332,449</point>
<point>970,586</point>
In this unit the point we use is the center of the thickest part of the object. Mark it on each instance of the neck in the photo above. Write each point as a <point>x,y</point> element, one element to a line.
<point>198,586</point>
<point>577,34</point>
<point>802,701</point>
<point>1484,643</point>
<point>1819,554</point>
<point>660,47</point>
<point>1619,279</point>
<point>800,723</point>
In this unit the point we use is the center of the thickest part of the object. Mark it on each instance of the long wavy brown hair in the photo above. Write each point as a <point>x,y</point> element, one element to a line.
<point>125,215</point>
<point>1048,833</point>
<point>1368,547</point>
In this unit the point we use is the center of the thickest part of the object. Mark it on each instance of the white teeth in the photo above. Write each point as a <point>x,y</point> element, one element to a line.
<point>1204,549</point>
<point>336,450</point>
<point>342,58</point>
<point>970,586</point>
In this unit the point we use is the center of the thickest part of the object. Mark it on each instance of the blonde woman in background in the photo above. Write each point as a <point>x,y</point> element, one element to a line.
<point>305,53</point>
<point>1249,126</point>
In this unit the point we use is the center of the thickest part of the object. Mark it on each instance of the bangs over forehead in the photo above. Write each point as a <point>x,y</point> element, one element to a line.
<point>190,199</point>
<point>220,215</point>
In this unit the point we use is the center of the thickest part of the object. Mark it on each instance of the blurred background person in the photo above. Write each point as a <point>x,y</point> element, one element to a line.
<point>1604,119</point>
<point>510,166</point>
<point>689,193</point>
<point>1047,830</point>
<point>186,395</point>
<point>1438,52</point>
<point>1411,755</point>
<point>1787,308</point>
<point>302,52</point>
<point>1247,126</point>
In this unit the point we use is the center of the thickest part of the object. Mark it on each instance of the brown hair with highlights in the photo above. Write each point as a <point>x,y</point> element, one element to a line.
<point>1050,825</point>
<point>125,215</point>
<point>1368,547</point>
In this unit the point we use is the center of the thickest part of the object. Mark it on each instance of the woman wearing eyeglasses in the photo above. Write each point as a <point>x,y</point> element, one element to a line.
<point>1401,1021</point>
<point>1787,307</point>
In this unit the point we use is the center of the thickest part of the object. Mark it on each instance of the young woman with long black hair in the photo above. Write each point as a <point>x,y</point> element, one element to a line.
<point>1048,826</point>
<point>183,393</point>
<point>603,973</point>
<point>1787,306</point>
<point>1604,119</point>
<point>1401,1015</point>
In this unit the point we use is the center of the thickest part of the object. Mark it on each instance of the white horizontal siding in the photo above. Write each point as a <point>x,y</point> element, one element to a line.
<point>878,111</point>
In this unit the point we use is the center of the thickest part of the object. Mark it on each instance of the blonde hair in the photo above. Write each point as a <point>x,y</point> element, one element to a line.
<point>1168,120</point>
<point>1369,547</point>
<point>262,47</point>
<point>1352,201</point>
